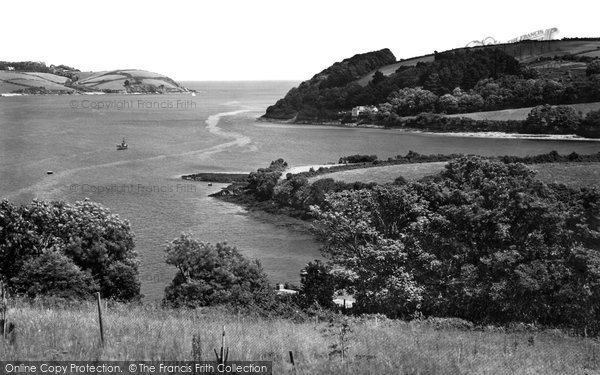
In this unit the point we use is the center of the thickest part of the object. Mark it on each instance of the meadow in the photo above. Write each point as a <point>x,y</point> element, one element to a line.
<point>373,346</point>
<point>572,174</point>
<point>519,114</point>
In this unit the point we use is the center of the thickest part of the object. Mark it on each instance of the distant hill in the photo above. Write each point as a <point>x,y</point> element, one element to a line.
<point>462,80</point>
<point>339,74</point>
<point>526,51</point>
<point>36,78</point>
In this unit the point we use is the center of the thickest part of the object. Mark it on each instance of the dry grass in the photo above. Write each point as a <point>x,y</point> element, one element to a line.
<point>147,333</point>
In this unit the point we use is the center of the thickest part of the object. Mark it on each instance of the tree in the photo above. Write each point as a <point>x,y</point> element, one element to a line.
<point>448,104</point>
<point>318,284</point>
<point>209,274</point>
<point>349,226</point>
<point>484,241</point>
<point>590,126</point>
<point>94,240</point>
<point>377,77</point>
<point>548,119</point>
<point>412,101</point>
<point>262,182</point>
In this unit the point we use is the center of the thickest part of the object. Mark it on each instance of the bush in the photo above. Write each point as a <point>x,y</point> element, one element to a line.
<point>593,68</point>
<point>357,159</point>
<point>590,126</point>
<point>213,274</point>
<point>53,274</point>
<point>262,182</point>
<point>548,119</point>
<point>400,181</point>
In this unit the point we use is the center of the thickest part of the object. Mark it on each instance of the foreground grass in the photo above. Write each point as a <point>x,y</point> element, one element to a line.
<point>572,174</point>
<point>375,346</point>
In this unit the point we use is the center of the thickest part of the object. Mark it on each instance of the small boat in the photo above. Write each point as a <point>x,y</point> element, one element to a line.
<point>122,146</point>
<point>50,172</point>
<point>210,184</point>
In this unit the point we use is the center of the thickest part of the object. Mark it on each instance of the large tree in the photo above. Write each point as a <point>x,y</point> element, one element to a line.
<point>210,274</point>
<point>78,240</point>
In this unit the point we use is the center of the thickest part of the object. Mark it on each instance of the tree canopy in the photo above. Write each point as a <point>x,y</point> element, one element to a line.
<point>484,241</point>
<point>78,249</point>
<point>210,274</point>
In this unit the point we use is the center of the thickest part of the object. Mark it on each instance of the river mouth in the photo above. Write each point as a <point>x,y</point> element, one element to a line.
<point>143,183</point>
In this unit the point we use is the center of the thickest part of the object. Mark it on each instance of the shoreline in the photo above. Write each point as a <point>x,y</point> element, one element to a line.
<point>12,94</point>
<point>487,135</point>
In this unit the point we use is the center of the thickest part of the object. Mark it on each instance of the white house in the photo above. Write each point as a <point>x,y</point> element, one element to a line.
<point>357,111</point>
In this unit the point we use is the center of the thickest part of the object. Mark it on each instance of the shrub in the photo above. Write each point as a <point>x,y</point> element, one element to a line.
<point>358,159</point>
<point>593,68</point>
<point>552,120</point>
<point>262,182</point>
<point>54,274</point>
<point>213,274</point>
<point>590,126</point>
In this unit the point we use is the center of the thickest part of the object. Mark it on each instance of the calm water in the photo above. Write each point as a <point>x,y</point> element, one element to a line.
<point>171,135</point>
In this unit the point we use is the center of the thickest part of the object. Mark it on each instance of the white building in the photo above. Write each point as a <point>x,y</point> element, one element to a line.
<point>361,109</point>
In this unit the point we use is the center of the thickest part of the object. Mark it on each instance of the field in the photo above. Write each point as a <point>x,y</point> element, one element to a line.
<point>385,174</point>
<point>115,79</point>
<point>374,346</point>
<point>521,113</point>
<point>573,174</point>
<point>12,81</point>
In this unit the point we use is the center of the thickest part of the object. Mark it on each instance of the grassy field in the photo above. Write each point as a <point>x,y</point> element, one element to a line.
<point>12,81</point>
<point>114,80</point>
<point>374,346</point>
<point>521,113</point>
<point>573,174</point>
<point>385,174</point>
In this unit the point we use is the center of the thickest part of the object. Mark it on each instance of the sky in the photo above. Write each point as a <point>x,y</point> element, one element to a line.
<point>264,39</point>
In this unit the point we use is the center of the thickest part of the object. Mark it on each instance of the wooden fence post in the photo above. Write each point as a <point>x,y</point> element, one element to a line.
<point>292,361</point>
<point>3,309</point>
<point>98,299</point>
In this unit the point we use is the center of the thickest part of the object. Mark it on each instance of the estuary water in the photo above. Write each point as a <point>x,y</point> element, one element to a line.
<point>171,135</point>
